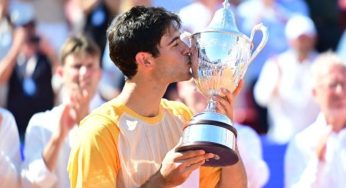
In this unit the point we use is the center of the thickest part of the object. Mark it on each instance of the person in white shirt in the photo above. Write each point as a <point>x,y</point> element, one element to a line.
<point>284,83</point>
<point>316,157</point>
<point>10,160</point>
<point>50,134</point>
<point>248,141</point>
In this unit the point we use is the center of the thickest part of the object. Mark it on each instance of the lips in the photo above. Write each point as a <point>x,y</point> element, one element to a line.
<point>84,84</point>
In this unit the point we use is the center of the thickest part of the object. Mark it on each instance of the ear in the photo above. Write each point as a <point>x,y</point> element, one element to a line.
<point>59,71</point>
<point>144,59</point>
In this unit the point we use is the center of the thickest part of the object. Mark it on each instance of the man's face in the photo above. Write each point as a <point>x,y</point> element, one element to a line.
<point>330,93</point>
<point>173,63</point>
<point>304,43</point>
<point>81,71</point>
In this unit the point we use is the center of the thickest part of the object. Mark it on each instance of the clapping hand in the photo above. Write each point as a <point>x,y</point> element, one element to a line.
<point>74,110</point>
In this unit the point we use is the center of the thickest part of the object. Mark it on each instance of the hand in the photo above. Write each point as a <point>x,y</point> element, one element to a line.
<point>224,103</point>
<point>79,99</point>
<point>73,111</point>
<point>176,167</point>
<point>19,36</point>
<point>67,121</point>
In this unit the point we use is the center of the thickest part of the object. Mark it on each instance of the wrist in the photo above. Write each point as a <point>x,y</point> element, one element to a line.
<point>58,137</point>
<point>157,180</point>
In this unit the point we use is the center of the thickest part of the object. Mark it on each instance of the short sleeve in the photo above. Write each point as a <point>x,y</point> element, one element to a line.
<point>94,160</point>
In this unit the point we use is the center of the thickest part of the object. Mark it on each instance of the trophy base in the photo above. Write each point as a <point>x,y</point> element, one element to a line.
<point>213,133</point>
<point>224,155</point>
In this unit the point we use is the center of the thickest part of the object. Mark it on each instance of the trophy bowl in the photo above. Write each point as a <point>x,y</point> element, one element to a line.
<point>220,57</point>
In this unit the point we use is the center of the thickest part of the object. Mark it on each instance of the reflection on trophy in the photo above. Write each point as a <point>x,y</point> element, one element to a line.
<point>220,57</point>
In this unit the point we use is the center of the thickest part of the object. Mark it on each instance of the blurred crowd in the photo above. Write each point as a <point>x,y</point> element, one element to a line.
<point>55,68</point>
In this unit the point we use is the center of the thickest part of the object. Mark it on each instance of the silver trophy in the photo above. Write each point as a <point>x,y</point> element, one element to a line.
<point>220,57</point>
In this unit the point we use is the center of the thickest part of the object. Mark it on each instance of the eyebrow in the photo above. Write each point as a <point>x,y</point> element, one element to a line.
<point>174,39</point>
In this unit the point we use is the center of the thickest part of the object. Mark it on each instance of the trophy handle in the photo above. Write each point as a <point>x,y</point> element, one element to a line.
<point>263,42</point>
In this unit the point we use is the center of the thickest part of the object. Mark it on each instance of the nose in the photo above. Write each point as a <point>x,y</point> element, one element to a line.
<point>187,51</point>
<point>340,88</point>
<point>83,71</point>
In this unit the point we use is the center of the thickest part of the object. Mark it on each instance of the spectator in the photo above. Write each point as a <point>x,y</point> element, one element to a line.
<point>27,70</point>
<point>316,156</point>
<point>10,160</point>
<point>51,21</point>
<point>284,83</point>
<point>50,134</point>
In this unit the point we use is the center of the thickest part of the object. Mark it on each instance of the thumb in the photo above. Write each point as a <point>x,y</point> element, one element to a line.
<point>239,87</point>
<point>180,142</point>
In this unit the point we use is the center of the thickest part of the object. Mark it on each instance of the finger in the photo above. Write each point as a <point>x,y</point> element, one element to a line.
<point>197,162</point>
<point>194,166</point>
<point>69,111</point>
<point>225,103</point>
<point>191,161</point>
<point>239,87</point>
<point>220,109</point>
<point>74,102</point>
<point>189,154</point>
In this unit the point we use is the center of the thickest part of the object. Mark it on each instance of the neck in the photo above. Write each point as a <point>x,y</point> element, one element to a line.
<point>301,56</point>
<point>337,123</point>
<point>143,98</point>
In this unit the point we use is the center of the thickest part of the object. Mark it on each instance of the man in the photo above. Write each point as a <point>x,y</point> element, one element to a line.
<point>283,85</point>
<point>316,156</point>
<point>27,70</point>
<point>50,134</point>
<point>249,143</point>
<point>130,141</point>
<point>9,150</point>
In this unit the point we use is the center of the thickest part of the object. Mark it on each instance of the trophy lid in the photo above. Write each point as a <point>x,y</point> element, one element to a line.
<point>224,20</point>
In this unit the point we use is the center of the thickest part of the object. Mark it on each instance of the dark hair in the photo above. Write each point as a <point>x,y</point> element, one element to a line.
<point>138,30</point>
<point>79,44</point>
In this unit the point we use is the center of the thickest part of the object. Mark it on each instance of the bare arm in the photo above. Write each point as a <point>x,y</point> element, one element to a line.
<point>234,175</point>
<point>8,63</point>
<point>51,151</point>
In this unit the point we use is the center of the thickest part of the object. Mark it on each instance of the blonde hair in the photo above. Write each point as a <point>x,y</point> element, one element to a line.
<point>79,44</point>
<point>323,63</point>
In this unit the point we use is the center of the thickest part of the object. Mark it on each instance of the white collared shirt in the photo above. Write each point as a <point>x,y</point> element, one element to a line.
<point>302,167</point>
<point>9,151</point>
<point>40,129</point>
<point>292,108</point>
